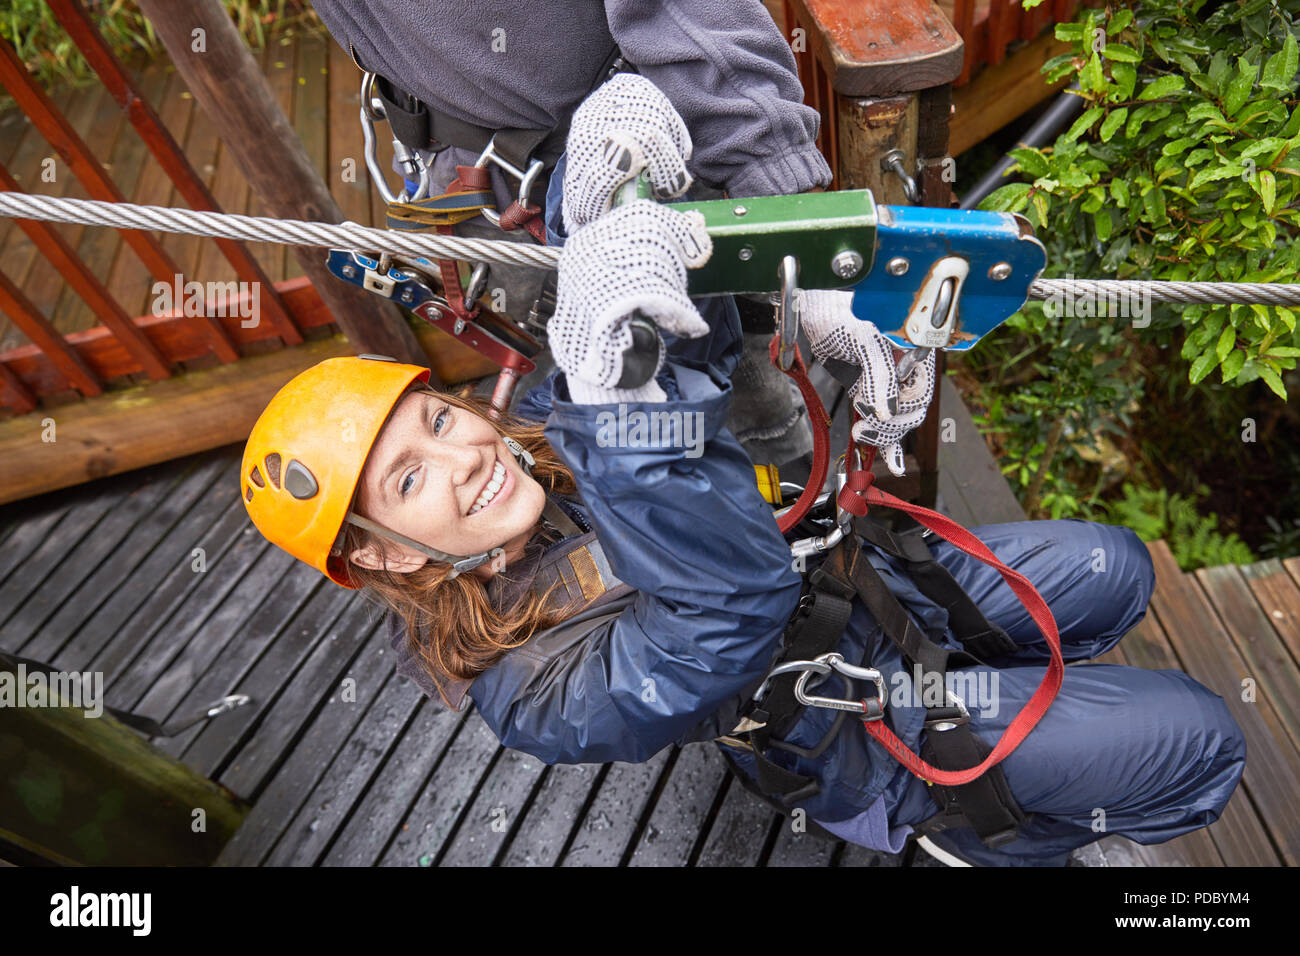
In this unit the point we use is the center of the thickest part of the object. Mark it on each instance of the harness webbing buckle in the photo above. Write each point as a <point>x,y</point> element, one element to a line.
<point>948,722</point>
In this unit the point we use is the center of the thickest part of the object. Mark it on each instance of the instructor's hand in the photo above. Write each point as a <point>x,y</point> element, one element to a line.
<point>625,127</point>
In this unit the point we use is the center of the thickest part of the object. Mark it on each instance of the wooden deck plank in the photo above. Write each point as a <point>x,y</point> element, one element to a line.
<point>311,759</point>
<point>1272,776</point>
<point>49,585</point>
<point>294,611</point>
<point>612,819</point>
<point>372,823</point>
<point>553,815</point>
<point>123,152</point>
<point>129,281</point>
<point>145,598</point>
<point>682,808</point>
<point>160,628</point>
<point>739,831</point>
<point>1257,641</point>
<point>24,533</point>
<point>1238,837</point>
<point>306,646</point>
<point>308,835</point>
<point>282,720</point>
<point>969,479</point>
<point>496,811</point>
<point>161,679</point>
<point>795,848</point>
<point>435,817</point>
<point>108,575</point>
<point>1279,595</point>
<point>345,141</point>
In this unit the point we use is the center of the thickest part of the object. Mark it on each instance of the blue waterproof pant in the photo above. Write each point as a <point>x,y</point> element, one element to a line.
<point>1149,755</point>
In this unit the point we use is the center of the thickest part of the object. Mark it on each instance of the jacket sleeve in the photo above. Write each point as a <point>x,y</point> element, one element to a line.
<point>688,529</point>
<point>730,73</point>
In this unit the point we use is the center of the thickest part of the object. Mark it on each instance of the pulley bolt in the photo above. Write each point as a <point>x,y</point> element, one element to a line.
<point>897,266</point>
<point>408,296</point>
<point>1000,271</point>
<point>740,210</point>
<point>846,264</point>
<point>350,271</point>
<point>746,253</point>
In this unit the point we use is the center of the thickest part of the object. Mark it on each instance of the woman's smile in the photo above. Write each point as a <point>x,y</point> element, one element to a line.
<point>498,488</point>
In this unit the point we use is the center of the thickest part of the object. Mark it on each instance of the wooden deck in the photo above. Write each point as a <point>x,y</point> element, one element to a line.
<point>347,764</point>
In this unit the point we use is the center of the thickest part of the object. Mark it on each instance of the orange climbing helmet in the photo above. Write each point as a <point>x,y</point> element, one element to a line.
<point>304,457</point>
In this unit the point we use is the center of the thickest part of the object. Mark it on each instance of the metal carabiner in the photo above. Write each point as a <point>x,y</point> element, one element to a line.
<point>526,179</point>
<point>787,318</point>
<point>371,111</point>
<point>871,709</point>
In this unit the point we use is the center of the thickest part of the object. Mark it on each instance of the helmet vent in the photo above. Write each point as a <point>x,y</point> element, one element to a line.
<point>273,468</point>
<point>299,481</point>
<point>248,494</point>
<point>255,477</point>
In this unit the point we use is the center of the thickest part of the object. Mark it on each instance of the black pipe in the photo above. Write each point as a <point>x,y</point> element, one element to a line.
<point>1062,111</point>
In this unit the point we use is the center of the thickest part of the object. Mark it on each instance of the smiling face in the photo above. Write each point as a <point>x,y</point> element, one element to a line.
<point>442,475</point>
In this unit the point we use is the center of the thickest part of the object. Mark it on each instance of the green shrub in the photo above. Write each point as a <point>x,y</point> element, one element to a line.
<point>1193,538</point>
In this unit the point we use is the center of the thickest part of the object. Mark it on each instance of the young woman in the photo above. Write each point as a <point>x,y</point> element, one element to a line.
<point>599,597</point>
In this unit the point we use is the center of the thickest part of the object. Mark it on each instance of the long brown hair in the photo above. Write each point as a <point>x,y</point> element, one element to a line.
<point>452,625</point>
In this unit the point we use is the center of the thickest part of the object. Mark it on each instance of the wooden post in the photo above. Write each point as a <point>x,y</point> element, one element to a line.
<point>227,83</point>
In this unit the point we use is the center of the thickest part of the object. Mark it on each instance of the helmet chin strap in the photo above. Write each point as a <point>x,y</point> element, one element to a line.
<point>459,564</point>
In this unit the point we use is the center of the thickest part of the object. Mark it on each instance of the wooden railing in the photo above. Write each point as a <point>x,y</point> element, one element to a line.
<point>123,345</point>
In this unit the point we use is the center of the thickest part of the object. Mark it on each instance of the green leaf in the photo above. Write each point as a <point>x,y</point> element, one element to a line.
<point>1069,31</point>
<point>1214,173</point>
<point>1284,351</point>
<point>1280,69</point>
<point>1009,198</point>
<point>1121,53</point>
<point>1205,110</point>
<point>1161,87</point>
<point>1273,381</point>
<point>1119,22</point>
<point>1119,192</point>
<point>1124,76</point>
<point>1154,203</point>
<point>1202,366</point>
<point>1226,341</point>
<point>1091,77</point>
<point>1101,222</point>
<point>1031,161</point>
<point>1239,89</point>
<point>1267,190</point>
<point>1082,124</point>
<point>1113,121</point>
<point>1232,364</point>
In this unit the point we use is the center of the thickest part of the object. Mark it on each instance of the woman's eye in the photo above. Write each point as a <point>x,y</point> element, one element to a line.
<point>407,482</point>
<point>440,417</point>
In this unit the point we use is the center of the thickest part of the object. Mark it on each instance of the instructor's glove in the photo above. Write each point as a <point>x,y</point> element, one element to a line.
<point>627,125</point>
<point>632,258</point>
<point>889,409</point>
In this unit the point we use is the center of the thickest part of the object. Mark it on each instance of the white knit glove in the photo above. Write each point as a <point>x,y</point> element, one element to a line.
<point>634,257</point>
<point>835,332</point>
<point>627,125</point>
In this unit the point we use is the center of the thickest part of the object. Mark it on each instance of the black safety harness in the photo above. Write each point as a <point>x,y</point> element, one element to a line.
<point>985,804</point>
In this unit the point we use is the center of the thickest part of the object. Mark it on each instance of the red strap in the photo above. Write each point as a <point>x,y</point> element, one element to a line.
<point>530,217</point>
<point>951,531</point>
<point>821,436</point>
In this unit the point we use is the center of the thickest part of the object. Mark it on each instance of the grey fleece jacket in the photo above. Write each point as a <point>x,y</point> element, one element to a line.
<point>512,64</point>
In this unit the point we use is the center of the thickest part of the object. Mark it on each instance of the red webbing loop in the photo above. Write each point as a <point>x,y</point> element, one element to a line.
<point>863,494</point>
<point>821,435</point>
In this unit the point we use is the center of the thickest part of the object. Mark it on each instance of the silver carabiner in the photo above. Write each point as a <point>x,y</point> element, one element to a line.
<point>526,179</point>
<point>787,319</point>
<point>371,112</point>
<point>836,662</point>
